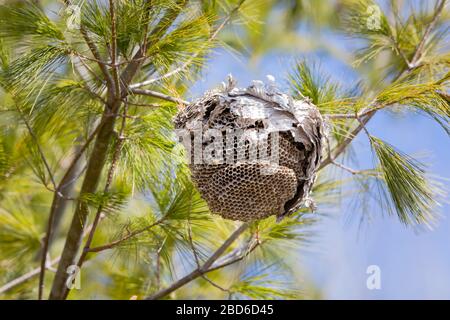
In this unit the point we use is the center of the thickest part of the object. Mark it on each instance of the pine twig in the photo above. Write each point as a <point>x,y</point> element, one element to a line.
<point>369,115</point>
<point>45,241</point>
<point>364,112</point>
<point>420,47</point>
<point>344,167</point>
<point>236,256</point>
<point>115,68</point>
<point>33,273</point>
<point>94,168</point>
<point>25,277</point>
<point>204,268</point>
<point>159,95</point>
<point>137,60</point>
<point>196,258</point>
<point>130,235</point>
<point>187,63</point>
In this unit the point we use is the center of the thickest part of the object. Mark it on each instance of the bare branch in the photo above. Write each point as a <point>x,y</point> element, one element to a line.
<point>187,63</point>
<point>132,68</point>
<point>159,95</point>
<point>364,112</point>
<point>344,144</point>
<point>235,256</point>
<point>343,167</point>
<point>197,260</point>
<point>204,268</point>
<point>115,68</point>
<point>56,194</point>
<point>97,56</point>
<point>420,47</point>
<point>130,235</point>
<point>31,274</point>
<point>25,277</point>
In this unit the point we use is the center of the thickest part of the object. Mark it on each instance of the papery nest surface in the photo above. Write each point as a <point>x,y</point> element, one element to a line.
<point>253,152</point>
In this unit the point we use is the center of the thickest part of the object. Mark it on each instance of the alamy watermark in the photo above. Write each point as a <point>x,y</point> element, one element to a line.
<point>373,21</point>
<point>74,279</point>
<point>373,281</point>
<point>230,146</point>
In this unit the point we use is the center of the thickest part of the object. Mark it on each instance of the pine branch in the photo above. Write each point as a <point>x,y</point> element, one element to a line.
<point>25,277</point>
<point>360,114</point>
<point>159,95</point>
<point>131,69</point>
<point>115,68</point>
<point>92,177</point>
<point>369,113</point>
<point>33,273</point>
<point>235,256</point>
<point>132,234</point>
<point>57,205</point>
<point>344,167</point>
<point>95,165</point>
<point>204,268</point>
<point>96,53</point>
<point>421,46</point>
<point>57,193</point>
<point>110,175</point>
<point>196,258</point>
<point>38,145</point>
<point>100,62</point>
<point>187,63</point>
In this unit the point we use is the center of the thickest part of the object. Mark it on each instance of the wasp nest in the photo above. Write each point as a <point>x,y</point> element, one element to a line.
<point>252,152</point>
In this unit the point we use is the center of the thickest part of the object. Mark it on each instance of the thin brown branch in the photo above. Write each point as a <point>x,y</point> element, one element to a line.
<point>56,204</point>
<point>57,193</point>
<point>235,256</point>
<point>130,235</point>
<point>97,56</point>
<point>115,68</point>
<point>159,95</point>
<point>25,277</point>
<point>195,55</point>
<point>196,258</point>
<point>166,21</point>
<point>344,167</point>
<point>204,268</point>
<point>85,79</point>
<point>339,149</point>
<point>33,273</point>
<point>421,46</point>
<point>364,112</point>
<point>95,52</point>
<point>38,145</point>
<point>362,122</point>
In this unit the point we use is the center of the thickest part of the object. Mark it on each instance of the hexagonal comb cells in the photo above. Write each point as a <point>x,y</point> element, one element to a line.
<point>253,152</point>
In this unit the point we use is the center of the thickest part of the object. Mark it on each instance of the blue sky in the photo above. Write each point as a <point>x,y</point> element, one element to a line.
<point>413,264</point>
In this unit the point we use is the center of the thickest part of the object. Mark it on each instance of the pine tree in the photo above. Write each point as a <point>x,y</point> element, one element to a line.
<point>91,176</point>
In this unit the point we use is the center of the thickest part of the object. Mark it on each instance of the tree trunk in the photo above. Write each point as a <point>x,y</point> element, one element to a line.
<point>93,175</point>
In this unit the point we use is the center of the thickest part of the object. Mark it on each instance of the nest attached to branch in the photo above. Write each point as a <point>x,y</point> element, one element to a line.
<point>253,152</point>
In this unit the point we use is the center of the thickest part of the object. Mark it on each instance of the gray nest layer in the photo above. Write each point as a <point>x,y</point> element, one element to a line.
<point>268,166</point>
